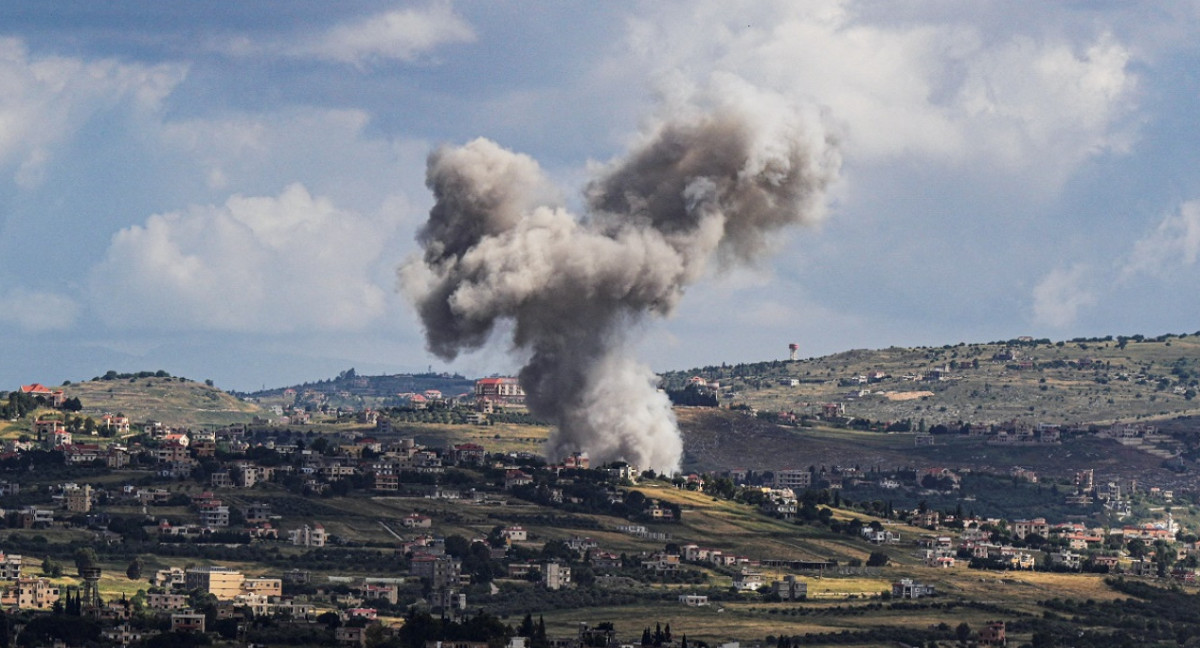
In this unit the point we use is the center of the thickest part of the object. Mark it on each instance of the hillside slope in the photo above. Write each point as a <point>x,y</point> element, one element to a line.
<point>1095,381</point>
<point>172,400</point>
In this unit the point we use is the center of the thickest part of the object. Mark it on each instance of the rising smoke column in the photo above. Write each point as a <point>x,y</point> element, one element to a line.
<point>710,184</point>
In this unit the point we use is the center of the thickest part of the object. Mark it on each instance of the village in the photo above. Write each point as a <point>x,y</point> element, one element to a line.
<point>205,483</point>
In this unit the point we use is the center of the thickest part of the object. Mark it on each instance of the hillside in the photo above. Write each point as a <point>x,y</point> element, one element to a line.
<point>350,390</point>
<point>173,400</point>
<point>1081,382</point>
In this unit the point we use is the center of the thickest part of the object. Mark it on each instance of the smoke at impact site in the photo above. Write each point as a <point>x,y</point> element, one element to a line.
<point>704,189</point>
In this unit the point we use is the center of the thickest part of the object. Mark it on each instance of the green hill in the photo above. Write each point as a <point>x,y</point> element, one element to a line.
<point>160,397</point>
<point>1082,382</point>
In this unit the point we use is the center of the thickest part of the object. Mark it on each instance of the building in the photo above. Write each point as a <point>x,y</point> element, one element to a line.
<point>223,582</point>
<point>35,594</point>
<point>693,600</point>
<point>52,397</point>
<point>161,601</point>
<point>441,571</point>
<point>187,622</point>
<point>10,567</point>
<point>515,534</point>
<point>263,586</point>
<point>907,588</point>
<point>791,588</point>
<point>77,499</point>
<point>793,479</point>
<point>501,390</point>
<point>417,521</point>
<point>556,575</point>
<point>307,536</point>
<point>992,634</point>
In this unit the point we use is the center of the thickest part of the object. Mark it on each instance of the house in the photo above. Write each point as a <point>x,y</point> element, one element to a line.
<point>307,536</point>
<point>791,588</point>
<point>33,594</point>
<point>749,581</point>
<point>225,583</point>
<point>793,479</point>
<point>577,460</point>
<point>515,534</point>
<point>992,634</point>
<point>907,588</point>
<point>77,499</point>
<point>10,567</point>
<point>471,454</point>
<point>52,397</point>
<point>504,390</point>
<point>514,478</point>
<point>115,423</point>
<point>556,575</point>
<point>187,622</point>
<point>1036,526</point>
<point>693,600</point>
<point>417,521</point>
<point>161,601</point>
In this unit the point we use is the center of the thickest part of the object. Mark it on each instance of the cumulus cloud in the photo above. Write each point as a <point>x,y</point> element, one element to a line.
<point>401,35</point>
<point>1174,243</point>
<point>34,310</point>
<point>1061,294</point>
<point>44,99</point>
<point>291,262</point>
<point>948,87</point>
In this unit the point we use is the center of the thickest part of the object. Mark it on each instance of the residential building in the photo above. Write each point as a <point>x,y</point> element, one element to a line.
<point>35,593</point>
<point>793,479</point>
<point>164,601</point>
<point>907,588</point>
<point>307,536</point>
<point>10,567</point>
<point>261,586</point>
<point>223,582</point>
<point>502,390</point>
<point>556,575</point>
<point>187,622</point>
<point>791,588</point>
<point>77,499</point>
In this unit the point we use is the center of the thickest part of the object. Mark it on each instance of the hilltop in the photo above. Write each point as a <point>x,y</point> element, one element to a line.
<point>159,396</point>
<point>1093,381</point>
<point>354,391</point>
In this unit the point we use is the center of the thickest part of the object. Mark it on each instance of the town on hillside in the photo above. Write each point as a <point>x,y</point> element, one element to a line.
<point>325,525</point>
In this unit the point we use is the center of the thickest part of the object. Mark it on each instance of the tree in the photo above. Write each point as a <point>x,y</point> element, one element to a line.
<point>963,632</point>
<point>877,559</point>
<point>51,568</point>
<point>134,571</point>
<point>85,558</point>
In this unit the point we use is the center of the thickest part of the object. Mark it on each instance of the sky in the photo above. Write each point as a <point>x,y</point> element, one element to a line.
<point>225,191</point>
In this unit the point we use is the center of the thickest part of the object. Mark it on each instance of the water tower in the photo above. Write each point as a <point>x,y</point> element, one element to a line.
<point>91,590</point>
<point>792,349</point>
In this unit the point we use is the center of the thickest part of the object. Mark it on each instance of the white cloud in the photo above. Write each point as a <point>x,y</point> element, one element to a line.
<point>1061,294</point>
<point>291,262</point>
<point>1175,242</point>
<point>402,34</point>
<point>326,149</point>
<point>44,100</point>
<point>38,311</point>
<point>940,87</point>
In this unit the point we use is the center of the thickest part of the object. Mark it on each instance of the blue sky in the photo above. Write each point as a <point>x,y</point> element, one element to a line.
<point>225,190</point>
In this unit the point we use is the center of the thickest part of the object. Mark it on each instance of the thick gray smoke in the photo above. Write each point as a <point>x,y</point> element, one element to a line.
<point>707,185</point>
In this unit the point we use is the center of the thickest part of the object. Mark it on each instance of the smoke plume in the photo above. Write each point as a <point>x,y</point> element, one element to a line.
<point>712,184</point>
